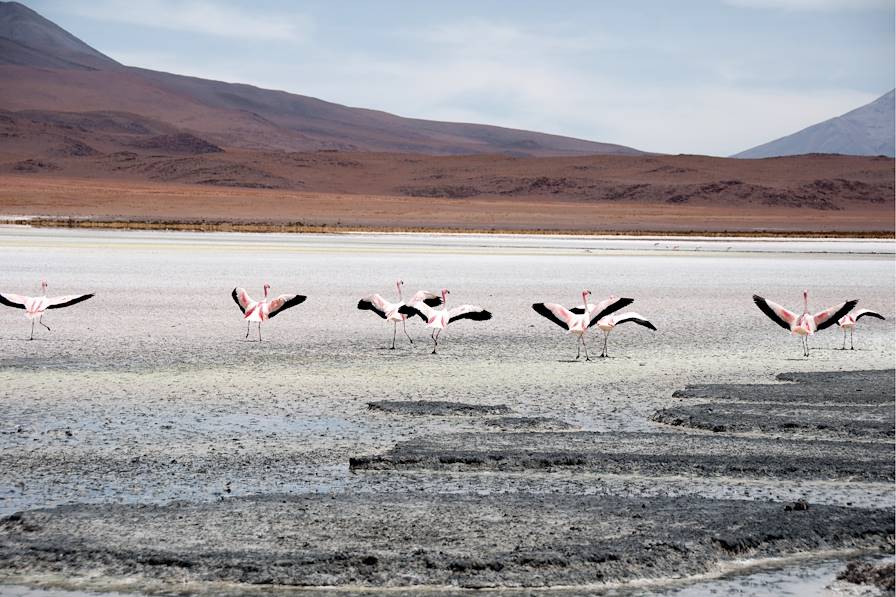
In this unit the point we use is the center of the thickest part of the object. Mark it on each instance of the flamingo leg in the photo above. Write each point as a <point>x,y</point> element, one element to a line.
<point>247,329</point>
<point>404,328</point>
<point>851,346</point>
<point>32,330</point>
<point>435,340</point>
<point>259,331</point>
<point>585,346</point>
<point>394,331</point>
<point>606,337</point>
<point>578,347</point>
<point>40,320</point>
<point>844,341</point>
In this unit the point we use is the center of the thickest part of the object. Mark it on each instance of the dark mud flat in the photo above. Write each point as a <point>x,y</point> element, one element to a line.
<point>867,421</point>
<point>438,408</point>
<point>528,423</point>
<point>652,454</point>
<point>839,387</point>
<point>408,539</point>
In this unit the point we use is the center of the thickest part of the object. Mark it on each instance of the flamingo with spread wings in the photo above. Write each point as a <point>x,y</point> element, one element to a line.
<point>389,311</point>
<point>438,319</point>
<point>606,324</point>
<point>804,325</point>
<point>578,320</point>
<point>848,323</point>
<point>35,306</point>
<point>259,311</point>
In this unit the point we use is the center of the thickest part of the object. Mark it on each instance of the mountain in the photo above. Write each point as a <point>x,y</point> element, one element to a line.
<point>868,130</point>
<point>45,68</point>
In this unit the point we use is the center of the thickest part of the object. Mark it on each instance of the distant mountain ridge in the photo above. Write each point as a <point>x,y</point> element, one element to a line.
<point>868,130</point>
<point>43,67</point>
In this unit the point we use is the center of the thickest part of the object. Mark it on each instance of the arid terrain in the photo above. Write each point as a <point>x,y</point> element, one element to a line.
<point>172,178</point>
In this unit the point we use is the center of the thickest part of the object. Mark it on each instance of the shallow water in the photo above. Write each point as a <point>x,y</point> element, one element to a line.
<point>148,392</point>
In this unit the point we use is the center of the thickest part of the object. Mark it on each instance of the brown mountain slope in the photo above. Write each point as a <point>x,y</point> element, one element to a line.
<point>121,166</point>
<point>43,67</point>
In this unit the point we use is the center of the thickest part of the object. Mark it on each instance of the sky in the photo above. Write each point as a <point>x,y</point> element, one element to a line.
<point>710,77</point>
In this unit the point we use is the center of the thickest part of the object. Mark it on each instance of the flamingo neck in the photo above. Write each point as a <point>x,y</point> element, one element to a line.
<point>444,301</point>
<point>805,302</point>
<point>400,299</point>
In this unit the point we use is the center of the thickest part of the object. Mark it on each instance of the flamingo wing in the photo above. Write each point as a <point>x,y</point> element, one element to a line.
<point>556,313</point>
<point>607,306</point>
<point>430,298</point>
<point>241,298</point>
<point>631,316</point>
<point>474,312</point>
<point>16,301</point>
<point>420,309</point>
<point>867,313</point>
<point>58,302</point>
<point>829,317</point>
<point>775,312</point>
<point>284,302</point>
<point>580,309</point>
<point>375,303</point>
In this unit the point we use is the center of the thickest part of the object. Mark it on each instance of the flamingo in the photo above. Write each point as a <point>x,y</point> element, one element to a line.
<point>606,324</point>
<point>389,311</point>
<point>578,319</point>
<point>439,319</point>
<point>35,306</point>
<point>259,311</point>
<point>804,325</point>
<point>848,322</point>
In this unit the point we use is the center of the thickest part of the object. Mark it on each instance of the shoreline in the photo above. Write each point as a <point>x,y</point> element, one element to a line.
<point>302,228</point>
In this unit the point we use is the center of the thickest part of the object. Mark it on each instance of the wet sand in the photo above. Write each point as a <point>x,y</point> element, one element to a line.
<point>148,396</point>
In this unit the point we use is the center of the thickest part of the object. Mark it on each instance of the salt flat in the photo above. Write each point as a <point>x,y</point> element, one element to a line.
<point>148,392</point>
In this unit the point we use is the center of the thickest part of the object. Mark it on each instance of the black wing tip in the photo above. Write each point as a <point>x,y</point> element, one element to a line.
<point>9,303</point>
<point>236,299</point>
<point>411,312</point>
<point>432,302</point>
<point>74,301</point>
<point>648,325</point>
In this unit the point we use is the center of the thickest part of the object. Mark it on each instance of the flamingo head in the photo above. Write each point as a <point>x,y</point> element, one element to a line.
<point>267,287</point>
<point>445,292</point>
<point>806,299</point>
<point>399,283</point>
<point>585,294</point>
<point>43,284</point>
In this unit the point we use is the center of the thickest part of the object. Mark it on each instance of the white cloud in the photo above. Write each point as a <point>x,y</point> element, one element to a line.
<point>199,16</point>
<point>813,5</point>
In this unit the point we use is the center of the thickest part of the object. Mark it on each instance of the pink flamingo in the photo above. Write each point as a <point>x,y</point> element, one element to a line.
<point>606,324</point>
<point>259,311</point>
<point>577,320</point>
<point>35,306</point>
<point>848,322</point>
<point>389,311</point>
<point>804,325</point>
<point>439,319</point>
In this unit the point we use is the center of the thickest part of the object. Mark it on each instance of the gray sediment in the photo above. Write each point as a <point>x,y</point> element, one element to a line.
<point>652,454</point>
<point>437,408</point>
<point>528,423</point>
<point>409,539</point>
<point>867,421</point>
<point>839,387</point>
